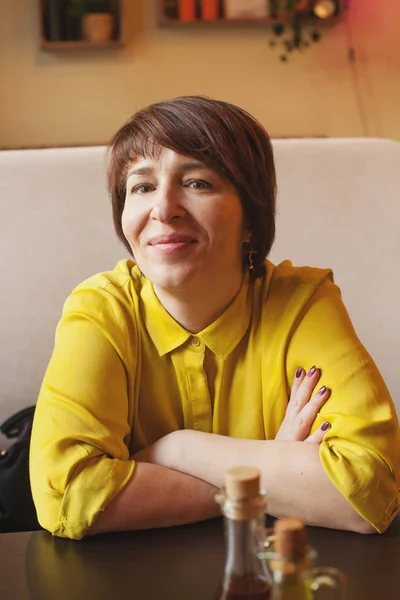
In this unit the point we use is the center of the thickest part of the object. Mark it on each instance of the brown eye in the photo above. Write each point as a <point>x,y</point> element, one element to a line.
<point>197,184</point>
<point>142,188</point>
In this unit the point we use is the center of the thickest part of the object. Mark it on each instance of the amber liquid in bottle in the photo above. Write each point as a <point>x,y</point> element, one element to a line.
<point>246,588</point>
<point>245,577</point>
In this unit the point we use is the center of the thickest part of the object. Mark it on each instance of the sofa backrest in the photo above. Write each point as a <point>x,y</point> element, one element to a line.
<point>338,206</point>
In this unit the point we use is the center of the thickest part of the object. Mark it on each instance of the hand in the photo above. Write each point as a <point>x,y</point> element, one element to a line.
<point>303,408</point>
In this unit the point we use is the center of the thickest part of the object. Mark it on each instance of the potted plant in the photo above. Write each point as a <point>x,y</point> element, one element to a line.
<point>290,16</point>
<point>96,17</point>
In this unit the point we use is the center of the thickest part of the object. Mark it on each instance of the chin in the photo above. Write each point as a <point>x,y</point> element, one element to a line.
<point>170,277</point>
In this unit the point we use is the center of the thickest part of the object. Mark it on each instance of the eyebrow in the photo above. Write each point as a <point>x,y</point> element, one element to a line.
<point>187,166</point>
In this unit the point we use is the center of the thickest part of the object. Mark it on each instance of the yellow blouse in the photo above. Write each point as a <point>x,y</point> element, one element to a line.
<point>123,373</point>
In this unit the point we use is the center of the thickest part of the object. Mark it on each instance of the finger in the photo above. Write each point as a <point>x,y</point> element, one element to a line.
<point>297,381</point>
<point>305,389</point>
<point>305,418</point>
<point>318,435</point>
<point>310,410</point>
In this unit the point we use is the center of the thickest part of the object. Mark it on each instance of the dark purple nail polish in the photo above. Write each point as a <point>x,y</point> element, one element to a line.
<point>322,390</point>
<point>299,372</point>
<point>311,371</point>
<point>325,426</point>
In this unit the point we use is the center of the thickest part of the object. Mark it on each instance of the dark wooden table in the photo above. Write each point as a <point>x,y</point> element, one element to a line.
<point>182,563</point>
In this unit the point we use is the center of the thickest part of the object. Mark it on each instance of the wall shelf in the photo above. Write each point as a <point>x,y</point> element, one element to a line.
<point>165,7</point>
<point>58,33</point>
<point>166,22</point>
<point>78,45</point>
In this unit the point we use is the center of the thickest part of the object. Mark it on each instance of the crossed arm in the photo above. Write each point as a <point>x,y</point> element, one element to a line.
<point>176,478</point>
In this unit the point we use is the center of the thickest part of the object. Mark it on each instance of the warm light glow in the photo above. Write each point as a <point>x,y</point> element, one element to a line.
<point>324,9</point>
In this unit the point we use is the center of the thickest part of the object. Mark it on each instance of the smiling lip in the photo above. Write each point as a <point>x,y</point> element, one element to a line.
<point>169,244</point>
<point>174,238</point>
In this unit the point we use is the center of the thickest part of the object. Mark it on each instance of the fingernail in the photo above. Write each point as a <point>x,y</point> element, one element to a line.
<point>311,371</point>
<point>322,390</point>
<point>299,372</point>
<point>325,426</point>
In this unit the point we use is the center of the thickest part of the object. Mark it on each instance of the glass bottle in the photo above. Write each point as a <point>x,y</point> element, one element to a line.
<point>292,565</point>
<point>245,577</point>
<point>209,10</point>
<point>187,10</point>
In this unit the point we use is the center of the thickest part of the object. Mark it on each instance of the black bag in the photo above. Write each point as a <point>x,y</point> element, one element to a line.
<point>17,511</point>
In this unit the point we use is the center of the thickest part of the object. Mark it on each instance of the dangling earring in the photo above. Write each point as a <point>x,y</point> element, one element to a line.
<point>250,258</point>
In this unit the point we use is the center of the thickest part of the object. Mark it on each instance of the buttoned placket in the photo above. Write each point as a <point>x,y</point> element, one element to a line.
<point>197,404</point>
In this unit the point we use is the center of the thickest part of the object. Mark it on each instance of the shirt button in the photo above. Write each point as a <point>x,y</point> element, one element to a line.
<point>195,341</point>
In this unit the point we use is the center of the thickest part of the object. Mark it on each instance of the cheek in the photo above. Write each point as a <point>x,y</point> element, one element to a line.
<point>125,226</point>
<point>227,220</point>
<point>132,222</point>
<point>125,219</point>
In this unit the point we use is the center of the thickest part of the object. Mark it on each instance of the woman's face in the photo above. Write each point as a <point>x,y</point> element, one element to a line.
<point>183,221</point>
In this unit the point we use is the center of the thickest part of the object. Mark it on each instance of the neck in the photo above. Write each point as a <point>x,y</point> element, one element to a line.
<point>195,309</point>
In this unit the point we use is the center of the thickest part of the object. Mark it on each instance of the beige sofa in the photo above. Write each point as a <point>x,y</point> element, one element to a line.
<point>338,206</point>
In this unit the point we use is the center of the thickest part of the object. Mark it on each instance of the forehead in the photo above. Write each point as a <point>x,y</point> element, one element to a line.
<point>164,159</point>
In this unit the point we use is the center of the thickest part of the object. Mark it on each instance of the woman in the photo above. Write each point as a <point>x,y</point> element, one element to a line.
<point>170,369</point>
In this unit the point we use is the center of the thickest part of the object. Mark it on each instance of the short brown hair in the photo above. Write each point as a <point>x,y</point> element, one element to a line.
<point>224,137</point>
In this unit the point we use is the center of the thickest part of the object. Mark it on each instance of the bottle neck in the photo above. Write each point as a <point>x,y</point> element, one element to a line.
<point>243,541</point>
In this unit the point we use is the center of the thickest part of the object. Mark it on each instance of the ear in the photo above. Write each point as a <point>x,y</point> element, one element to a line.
<point>246,234</point>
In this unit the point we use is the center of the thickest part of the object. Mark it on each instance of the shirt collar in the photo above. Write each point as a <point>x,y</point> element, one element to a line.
<point>221,337</point>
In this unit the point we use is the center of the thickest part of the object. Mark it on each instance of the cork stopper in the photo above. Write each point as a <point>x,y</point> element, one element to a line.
<point>290,538</point>
<point>242,482</point>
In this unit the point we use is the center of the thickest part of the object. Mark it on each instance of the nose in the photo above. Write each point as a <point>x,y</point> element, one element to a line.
<point>167,204</point>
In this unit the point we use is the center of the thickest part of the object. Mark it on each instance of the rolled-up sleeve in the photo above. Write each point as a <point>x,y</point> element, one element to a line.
<point>79,458</point>
<point>361,451</point>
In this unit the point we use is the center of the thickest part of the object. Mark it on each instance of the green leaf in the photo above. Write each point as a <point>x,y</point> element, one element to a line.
<point>77,8</point>
<point>278,28</point>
